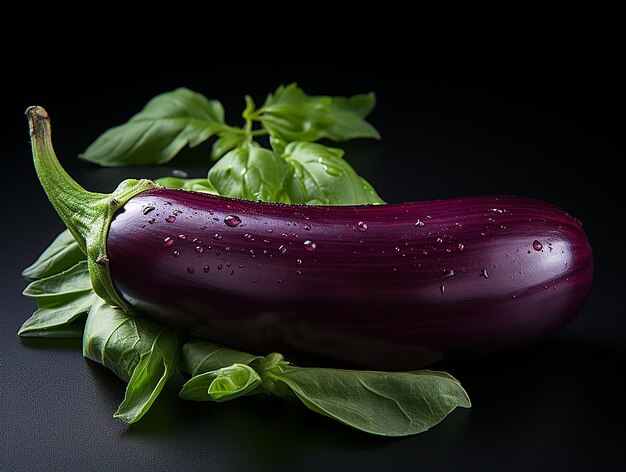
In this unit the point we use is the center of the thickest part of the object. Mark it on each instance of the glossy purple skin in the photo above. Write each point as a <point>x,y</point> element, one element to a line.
<point>411,284</point>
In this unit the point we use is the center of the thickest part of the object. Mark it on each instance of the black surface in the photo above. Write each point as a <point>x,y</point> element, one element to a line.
<point>516,101</point>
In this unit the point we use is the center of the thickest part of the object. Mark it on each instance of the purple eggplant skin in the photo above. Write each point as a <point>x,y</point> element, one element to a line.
<point>392,287</point>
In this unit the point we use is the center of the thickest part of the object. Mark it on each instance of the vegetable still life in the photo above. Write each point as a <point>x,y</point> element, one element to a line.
<point>283,266</point>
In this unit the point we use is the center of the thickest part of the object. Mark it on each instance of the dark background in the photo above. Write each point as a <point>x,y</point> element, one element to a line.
<point>472,99</point>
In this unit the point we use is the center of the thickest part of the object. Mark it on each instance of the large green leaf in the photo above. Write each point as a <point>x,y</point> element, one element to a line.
<point>139,351</point>
<point>252,173</point>
<point>60,255</point>
<point>319,176</point>
<point>168,122</point>
<point>292,115</point>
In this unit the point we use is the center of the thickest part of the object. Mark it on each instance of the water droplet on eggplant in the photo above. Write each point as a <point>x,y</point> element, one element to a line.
<point>447,273</point>
<point>232,221</point>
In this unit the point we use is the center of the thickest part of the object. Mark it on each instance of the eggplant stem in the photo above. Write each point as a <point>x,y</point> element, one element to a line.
<point>87,215</point>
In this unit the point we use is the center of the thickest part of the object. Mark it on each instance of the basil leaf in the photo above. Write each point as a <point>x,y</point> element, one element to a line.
<point>156,134</point>
<point>226,141</point>
<point>321,177</point>
<point>382,403</point>
<point>199,185</point>
<point>292,115</point>
<point>252,173</point>
<point>222,384</point>
<point>201,357</point>
<point>60,255</point>
<point>137,350</point>
<point>63,285</point>
<point>59,320</point>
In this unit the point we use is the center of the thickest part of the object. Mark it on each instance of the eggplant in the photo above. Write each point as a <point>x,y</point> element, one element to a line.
<point>391,287</point>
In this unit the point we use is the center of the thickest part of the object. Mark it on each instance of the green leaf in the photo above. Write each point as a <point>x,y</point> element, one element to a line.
<point>156,134</point>
<point>252,173</point>
<point>150,375</point>
<point>200,357</point>
<point>199,185</point>
<point>59,320</point>
<point>60,255</point>
<point>292,115</point>
<point>63,285</point>
<point>137,350</point>
<point>382,403</point>
<point>221,385</point>
<point>226,141</point>
<point>321,177</point>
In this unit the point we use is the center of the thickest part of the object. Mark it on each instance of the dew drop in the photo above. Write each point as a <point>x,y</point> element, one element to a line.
<point>228,264</point>
<point>419,223</point>
<point>306,227</point>
<point>176,253</point>
<point>241,266</point>
<point>232,221</point>
<point>190,270</point>
<point>227,248</point>
<point>442,288</point>
<point>196,241</point>
<point>148,209</point>
<point>218,236</point>
<point>484,274</point>
<point>447,274</point>
<point>199,249</point>
<point>439,240</point>
<point>299,261</point>
<point>310,245</point>
<point>298,272</point>
<point>461,247</point>
<point>282,249</point>
<point>203,227</point>
<point>170,219</point>
<point>219,267</point>
<point>217,253</point>
<point>151,220</point>
<point>280,281</point>
<point>167,242</point>
<point>179,173</point>
<point>362,227</point>
<point>182,237</point>
<point>537,246</point>
<point>206,269</point>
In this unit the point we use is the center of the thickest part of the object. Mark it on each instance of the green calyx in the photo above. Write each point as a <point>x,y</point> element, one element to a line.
<point>87,215</point>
